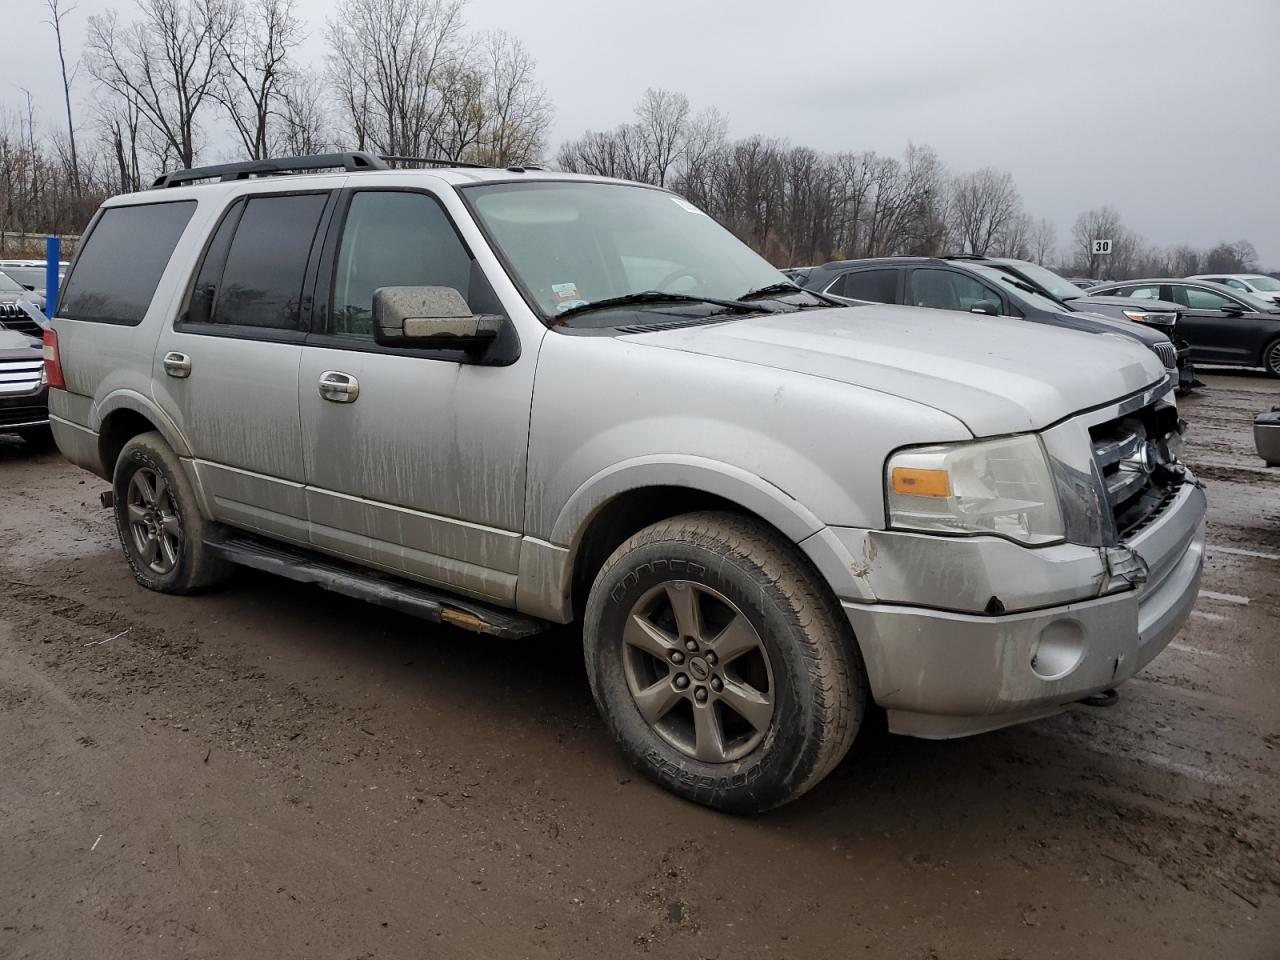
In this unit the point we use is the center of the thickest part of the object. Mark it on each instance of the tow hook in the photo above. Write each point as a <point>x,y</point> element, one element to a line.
<point>1103,698</point>
<point>108,498</point>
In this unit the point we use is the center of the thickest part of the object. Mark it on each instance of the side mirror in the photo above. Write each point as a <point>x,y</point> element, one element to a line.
<point>429,317</point>
<point>988,308</point>
<point>1232,308</point>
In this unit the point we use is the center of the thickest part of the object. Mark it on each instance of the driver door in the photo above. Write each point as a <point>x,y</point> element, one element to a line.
<point>418,465</point>
<point>1215,335</point>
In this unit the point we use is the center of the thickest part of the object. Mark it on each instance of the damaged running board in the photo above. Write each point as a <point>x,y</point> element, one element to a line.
<point>412,598</point>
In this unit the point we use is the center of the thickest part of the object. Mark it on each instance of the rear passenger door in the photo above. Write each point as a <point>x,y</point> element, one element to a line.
<point>227,368</point>
<point>419,467</point>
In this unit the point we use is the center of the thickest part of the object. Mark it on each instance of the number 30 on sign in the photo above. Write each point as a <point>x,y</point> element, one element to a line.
<point>1102,246</point>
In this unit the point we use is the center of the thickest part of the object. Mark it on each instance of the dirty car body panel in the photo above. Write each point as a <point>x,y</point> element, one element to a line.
<point>486,477</point>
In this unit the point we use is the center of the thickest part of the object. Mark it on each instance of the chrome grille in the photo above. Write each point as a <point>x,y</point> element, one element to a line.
<point>1136,456</point>
<point>20,376</point>
<point>1168,354</point>
<point>13,317</point>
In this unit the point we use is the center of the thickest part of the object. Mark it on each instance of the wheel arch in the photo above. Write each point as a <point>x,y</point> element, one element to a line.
<point>625,499</point>
<point>123,415</point>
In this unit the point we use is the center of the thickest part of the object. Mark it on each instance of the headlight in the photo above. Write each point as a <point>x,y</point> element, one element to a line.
<point>1000,487</point>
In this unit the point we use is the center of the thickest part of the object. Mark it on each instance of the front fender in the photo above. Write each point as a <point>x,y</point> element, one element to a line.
<point>704,475</point>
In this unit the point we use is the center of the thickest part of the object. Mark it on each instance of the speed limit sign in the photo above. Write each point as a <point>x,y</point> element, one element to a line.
<point>1101,246</point>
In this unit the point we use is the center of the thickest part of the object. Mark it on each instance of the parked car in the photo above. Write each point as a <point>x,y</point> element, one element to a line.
<point>1266,436</point>
<point>503,399</point>
<point>970,285</point>
<point>24,406</point>
<point>1084,283</point>
<point>1260,285</point>
<point>1223,325</point>
<point>17,311</point>
<point>1160,315</point>
<point>31,275</point>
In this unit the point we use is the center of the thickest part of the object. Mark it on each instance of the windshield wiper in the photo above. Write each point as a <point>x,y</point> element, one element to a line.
<point>1023,285</point>
<point>784,287</point>
<point>773,289</point>
<point>657,296</point>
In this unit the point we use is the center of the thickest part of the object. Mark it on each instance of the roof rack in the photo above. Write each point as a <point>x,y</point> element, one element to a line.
<point>226,172</point>
<point>431,162</point>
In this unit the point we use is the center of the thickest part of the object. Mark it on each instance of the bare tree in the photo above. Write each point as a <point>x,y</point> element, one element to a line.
<point>1102,223</point>
<point>302,123</point>
<point>56,14</point>
<point>389,60</point>
<point>168,63</point>
<point>983,206</point>
<point>256,53</point>
<point>516,109</point>
<point>1044,241</point>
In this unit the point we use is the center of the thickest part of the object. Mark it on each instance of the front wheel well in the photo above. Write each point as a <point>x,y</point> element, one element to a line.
<point>627,514</point>
<point>119,427</point>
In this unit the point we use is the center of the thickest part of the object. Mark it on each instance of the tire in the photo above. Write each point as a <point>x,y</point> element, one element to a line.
<point>1271,358</point>
<point>163,534</point>
<point>741,587</point>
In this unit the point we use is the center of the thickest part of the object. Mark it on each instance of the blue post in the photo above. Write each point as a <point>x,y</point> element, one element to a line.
<point>53,262</point>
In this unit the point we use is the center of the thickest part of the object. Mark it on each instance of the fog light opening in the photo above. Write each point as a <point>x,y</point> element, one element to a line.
<point>1059,650</point>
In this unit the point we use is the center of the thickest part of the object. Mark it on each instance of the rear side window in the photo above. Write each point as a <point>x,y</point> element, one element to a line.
<point>260,284</point>
<point>877,286</point>
<point>123,258</point>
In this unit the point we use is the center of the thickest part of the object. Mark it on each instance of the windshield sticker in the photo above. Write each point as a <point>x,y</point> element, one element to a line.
<point>565,291</point>
<point>685,205</point>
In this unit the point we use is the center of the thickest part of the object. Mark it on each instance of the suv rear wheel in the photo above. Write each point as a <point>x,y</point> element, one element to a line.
<point>725,671</point>
<point>160,526</point>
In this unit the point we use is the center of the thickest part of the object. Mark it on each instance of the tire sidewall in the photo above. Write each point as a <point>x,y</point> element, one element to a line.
<point>1271,358</point>
<point>133,457</point>
<point>770,774</point>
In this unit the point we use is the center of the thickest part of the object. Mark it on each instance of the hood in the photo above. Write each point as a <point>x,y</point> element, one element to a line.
<point>994,375</point>
<point>1129,303</point>
<point>15,345</point>
<point>1101,323</point>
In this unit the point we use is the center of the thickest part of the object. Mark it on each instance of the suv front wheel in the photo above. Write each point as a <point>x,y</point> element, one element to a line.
<point>161,528</point>
<point>724,669</point>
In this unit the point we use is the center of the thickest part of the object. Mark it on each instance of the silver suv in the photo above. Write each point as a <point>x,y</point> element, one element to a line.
<point>503,399</point>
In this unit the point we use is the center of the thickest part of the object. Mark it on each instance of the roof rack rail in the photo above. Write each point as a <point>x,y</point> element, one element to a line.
<point>351,162</point>
<point>432,162</point>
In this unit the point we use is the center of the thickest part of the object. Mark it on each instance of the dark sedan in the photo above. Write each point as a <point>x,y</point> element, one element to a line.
<point>1223,326</point>
<point>967,284</point>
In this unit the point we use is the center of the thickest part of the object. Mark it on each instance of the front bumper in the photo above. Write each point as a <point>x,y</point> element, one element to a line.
<point>942,674</point>
<point>20,411</point>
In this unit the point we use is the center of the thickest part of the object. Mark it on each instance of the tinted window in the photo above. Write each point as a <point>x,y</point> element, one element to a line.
<point>1198,298</point>
<point>1149,292</point>
<point>261,285</point>
<point>200,310</point>
<point>122,260</point>
<point>877,286</point>
<point>395,239</point>
<point>948,290</point>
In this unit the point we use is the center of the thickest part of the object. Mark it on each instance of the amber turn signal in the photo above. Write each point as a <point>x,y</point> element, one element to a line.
<point>914,482</point>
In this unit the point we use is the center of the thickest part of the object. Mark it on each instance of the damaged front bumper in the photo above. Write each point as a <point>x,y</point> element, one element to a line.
<point>965,636</point>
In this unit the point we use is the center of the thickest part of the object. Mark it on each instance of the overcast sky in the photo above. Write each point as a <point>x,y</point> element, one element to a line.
<point>1168,110</point>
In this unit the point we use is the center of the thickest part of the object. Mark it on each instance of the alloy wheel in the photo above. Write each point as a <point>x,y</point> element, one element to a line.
<point>698,671</point>
<point>154,525</point>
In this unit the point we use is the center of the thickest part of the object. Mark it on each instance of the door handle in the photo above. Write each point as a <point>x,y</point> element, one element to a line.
<point>177,364</point>
<point>338,386</point>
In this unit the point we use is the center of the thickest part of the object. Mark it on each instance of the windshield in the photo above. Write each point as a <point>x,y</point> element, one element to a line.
<point>9,285</point>
<point>1269,284</point>
<point>1019,290</point>
<point>1060,287</point>
<point>570,244</point>
<point>28,276</point>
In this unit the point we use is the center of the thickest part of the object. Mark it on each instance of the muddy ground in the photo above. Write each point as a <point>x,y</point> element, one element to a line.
<point>273,771</point>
